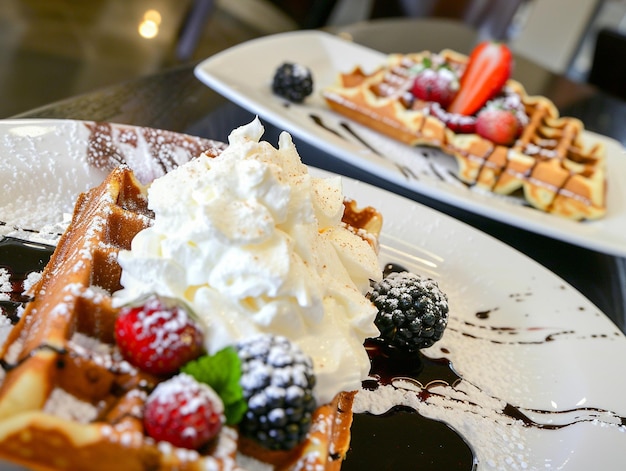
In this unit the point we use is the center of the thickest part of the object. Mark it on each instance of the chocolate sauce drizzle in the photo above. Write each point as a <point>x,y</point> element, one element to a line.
<point>376,439</point>
<point>5,365</point>
<point>404,439</point>
<point>347,128</point>
<point>544,153</point>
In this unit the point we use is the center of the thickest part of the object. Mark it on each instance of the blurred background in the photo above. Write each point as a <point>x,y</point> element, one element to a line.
<point>54,49</point>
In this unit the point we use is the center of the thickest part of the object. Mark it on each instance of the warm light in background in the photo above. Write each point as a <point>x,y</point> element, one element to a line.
<point>149,25</point>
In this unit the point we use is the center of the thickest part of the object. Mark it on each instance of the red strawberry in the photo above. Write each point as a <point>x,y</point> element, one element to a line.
<point>499,125</point>
<point>184,412</point>
<point>439,86</point>
<point>158,336</point>
<point>487,71</point>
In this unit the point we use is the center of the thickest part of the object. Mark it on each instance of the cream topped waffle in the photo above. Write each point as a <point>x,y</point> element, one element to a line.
<point>69,400</point>
<point>551,162</point>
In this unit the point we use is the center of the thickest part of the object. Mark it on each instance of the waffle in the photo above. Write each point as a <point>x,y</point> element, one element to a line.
<point>550,164</point>
<point>67,398</point>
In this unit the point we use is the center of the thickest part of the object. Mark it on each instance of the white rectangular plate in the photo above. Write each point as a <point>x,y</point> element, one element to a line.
<point>243,74</point>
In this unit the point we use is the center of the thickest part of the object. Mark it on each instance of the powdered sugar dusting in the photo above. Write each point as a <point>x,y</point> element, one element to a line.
<point>5,283</point>
<point>103,354</point>
<point>64,405</point>
<point>64,158</point>
<point>31,279</point>
<point>5,328</point>
<point>194,393</point>
<point>164,324</point>
<point>150,152</point>
<point>224,456</point>
<point>250,464</point>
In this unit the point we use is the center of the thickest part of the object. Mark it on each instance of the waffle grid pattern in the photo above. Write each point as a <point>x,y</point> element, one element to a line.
<point>68,401</point>
<point>551,164</point>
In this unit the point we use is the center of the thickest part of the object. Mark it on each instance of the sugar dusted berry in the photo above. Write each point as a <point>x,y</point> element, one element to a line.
<point>293,82</point>
<point>277,381</point>
<point>498,124</point>
<point>158,335</point>
<point>183,412</point>
<point>438,85</point>
<point>412,311</point>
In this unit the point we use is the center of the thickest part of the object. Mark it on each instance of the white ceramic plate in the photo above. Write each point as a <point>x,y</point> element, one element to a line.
<point>518,335</point>
<point>45,164</point>
<point>243,74</point>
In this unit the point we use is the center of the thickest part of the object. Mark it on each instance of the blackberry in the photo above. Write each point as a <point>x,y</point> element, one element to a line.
<point>412,311</point>
<point>293,82</point>
<point>277,380</point>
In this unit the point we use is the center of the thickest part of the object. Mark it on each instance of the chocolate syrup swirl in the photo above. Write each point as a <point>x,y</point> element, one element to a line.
<point>402,438</point>
<point>541,152</point>
<point>5,365</point>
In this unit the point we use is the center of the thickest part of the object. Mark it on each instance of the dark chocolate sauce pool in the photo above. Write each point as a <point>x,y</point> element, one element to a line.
<point>20,258</point>
<point>402,438</point>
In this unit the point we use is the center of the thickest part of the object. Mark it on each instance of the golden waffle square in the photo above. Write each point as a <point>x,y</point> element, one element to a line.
<point>551,164</point>
<point>68,401</point>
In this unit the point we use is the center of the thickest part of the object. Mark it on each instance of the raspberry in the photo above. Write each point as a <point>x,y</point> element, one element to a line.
<point>184,412</point>
<point>293,82</point>
<point>437,85</point>
<point>158,336</point>
<point>412,311</point>
<point>277,380</point>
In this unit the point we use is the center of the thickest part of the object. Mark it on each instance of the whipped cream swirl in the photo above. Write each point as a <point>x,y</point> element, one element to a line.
<point>253,243</point>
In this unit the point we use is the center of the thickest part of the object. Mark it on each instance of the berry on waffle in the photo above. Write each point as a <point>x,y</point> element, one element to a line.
<point>551,163</point>
<point>70,400</point>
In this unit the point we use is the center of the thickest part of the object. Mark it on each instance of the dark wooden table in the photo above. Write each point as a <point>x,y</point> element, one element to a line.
<point>177,101</point>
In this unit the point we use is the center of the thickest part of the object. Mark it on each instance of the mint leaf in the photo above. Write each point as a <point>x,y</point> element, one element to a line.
<point>222,372</point>
<point>234,412</point>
